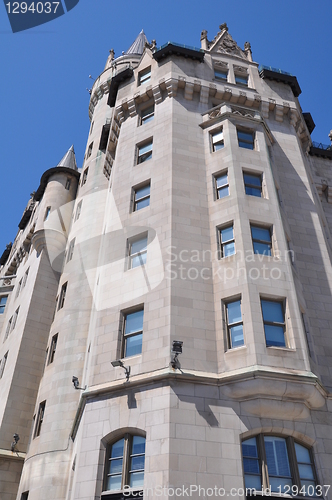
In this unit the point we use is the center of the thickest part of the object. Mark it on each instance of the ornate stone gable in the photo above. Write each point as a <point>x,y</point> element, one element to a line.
<point>223,43</point>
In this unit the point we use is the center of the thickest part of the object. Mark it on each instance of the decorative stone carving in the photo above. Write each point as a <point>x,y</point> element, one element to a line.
<point>240,70</point>
<point>220,64</point>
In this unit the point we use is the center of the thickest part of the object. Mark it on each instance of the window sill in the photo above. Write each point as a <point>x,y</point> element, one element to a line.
<point>289,349</point>
<point>236,349</point>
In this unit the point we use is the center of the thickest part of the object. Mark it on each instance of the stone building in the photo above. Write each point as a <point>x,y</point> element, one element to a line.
<point>200,222</point>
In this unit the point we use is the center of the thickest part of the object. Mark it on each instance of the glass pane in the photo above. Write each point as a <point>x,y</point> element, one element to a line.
<point>244,136</point>
<point>137,463</point>
<point>278,484</point>
<point>253,192</point>
<point>145,148</point>
<point>218,146</point>
<point>262,248</point>
<point>274,336</point>
<point>247,145</point>
<point>272,311</point>
<point>220,75</point>
<point>117,449</point>
<point>136,479</point>
<point>236,333</point>
<point>3,300</point>
<point>253,482</point>
<point>134,322</point>
<point>138,246</point>
<point>241,79</point>
<point>221,181</point>
<point>133,345</point>
<point>138,445</point>
<point>252,179</point>
<point>116,466</point>
<point>234,312</point>
<point>260,233</point>
<point>312,489</point>
<point>227,234</point>
<point>142,204</point>
<point>249,448</point>
<point>251,466</point>
<point>114,483</point>
<point>217,137</point>
<point>276,456</point>
<point>229,249</point>
<point>138,260</point>
<point>222,192</point>
<point>147,111</point>
<point>306,471</point>
<point>143,191</point>
<point>302,454</point>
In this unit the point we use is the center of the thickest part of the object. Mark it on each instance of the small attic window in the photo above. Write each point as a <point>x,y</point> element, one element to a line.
<point>144,76</point>
<point>241,76</point>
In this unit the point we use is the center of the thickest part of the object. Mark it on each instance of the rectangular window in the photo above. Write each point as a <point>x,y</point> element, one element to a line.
<point>62,295</point>
<point>78,210</point>
<point>144,152</point>
<point>222,186</point>
<point>25,495</point>
<point>19,286</point>
<point>246,139</point>
<point>226,241</point>
<point>71,250</point>
<point>85,176</point>
<point>15,318</point>
<point>3,301</point>
<point>89,151</point>
<point>53,348</point>
<point>274,323</point>
<point>9,327</point>
<point>261,239</point>
<point>234,324</point>
<point>25,277</point>
<point>217,140</point>
<point>133,333</point>
<point>144,76</point>
<point>241,80</point>
<point>40,418</point>
<point>68,183</point>
<point>47,213</point>
<point>3,364</point>
<point>138,252</point>
<point>141,197</point>
<point>147,114</point>
<point>220,75</point>
<point>253,184</point>
<point>56,307</point>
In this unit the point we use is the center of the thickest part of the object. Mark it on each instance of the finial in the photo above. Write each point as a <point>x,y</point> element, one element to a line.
<point>223,27</point>
<point>153,44</point>
<point>112,54</point>
<point>247,50</point>
<point>204,34</point>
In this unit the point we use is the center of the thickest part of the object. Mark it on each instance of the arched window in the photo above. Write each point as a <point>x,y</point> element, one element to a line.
<point>125,464</point>
<point>289,466</point>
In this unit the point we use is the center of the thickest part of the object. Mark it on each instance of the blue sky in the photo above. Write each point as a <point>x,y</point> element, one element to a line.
<point>45,72</point>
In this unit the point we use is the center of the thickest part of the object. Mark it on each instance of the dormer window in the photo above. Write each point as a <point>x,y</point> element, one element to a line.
<point>241,76</point>
<point>144,76</point>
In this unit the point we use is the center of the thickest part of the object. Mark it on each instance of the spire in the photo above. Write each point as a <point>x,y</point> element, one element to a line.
<point>138,46</point>
<point>69,159</point>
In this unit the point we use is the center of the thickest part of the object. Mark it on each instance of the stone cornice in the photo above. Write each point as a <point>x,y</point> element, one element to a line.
<point>12,455</point>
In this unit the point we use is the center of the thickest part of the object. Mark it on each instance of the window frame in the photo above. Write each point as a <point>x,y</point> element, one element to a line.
<point>253,186</point>
<point>220,71</point>
<point>126,463</point>
<point>47,213</point>
<point>243,141</point>
<point>3,363</point>
<point>145,116</point>
<point>136,200</point>
<point>84,176</point>
<point>264,476</point>
<point>263,242</point>
<point>222,244</point>
<point>53,347</point>
<point>39,419</point>
<point>144,76</point>
<point>131,256</point>
<point>241,79</point>
<point>214,133</point>
<point>221,188</point>
<point>62,296</point>
<point>136,333</point>
<point>68,183</point>
<point>282,302</point>
<point>89,150</point>
<point>3,305</point>
<point>71,249</point>
<point>229,326</point>
<point>78,210</point>
<point>142,157</point>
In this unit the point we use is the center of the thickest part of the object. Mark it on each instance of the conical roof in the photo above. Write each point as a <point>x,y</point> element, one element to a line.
<point>69,159</point>
<point>138,46</point>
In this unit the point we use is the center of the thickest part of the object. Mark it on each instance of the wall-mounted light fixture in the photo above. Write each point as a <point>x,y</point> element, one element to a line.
<point>118,362</point>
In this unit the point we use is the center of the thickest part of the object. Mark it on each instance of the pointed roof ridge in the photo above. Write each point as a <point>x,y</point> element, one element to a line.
<point>69,159</point>
<point>224,43</point>
<point>137,47</point>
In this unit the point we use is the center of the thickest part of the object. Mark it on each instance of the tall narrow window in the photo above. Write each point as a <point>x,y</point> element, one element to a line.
<point>25,495</point>
<point>277,462</point>
<point>53,347</point>
<point>78,210</point>
<point>71,249</point>
<point>226,241</point>
<point>141,197</point>
<point>9,327</point>
<point>234,324</point>
<point>261,240</point>
<point>253,184</point>
<point>245,139</point>
<point>47,213</point>
<point>15,318</point>
<point>89,151</point>
<point>68,183</point>
<point>147,114</point>
<point>144,76</point>
<point>222,186</point>
<point>217,140</point>
<point>3,364</point>
<point>25,277</point>
<point>144,152</point>
<point>40,418</point>
<point>85,176</point>
<point>62,295</point>
<point>19,286</point>
<point>274,323</point>
<point>133,333</point>
<point>125,464</point>
<point>138,252</point>
<point>3,301</point>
